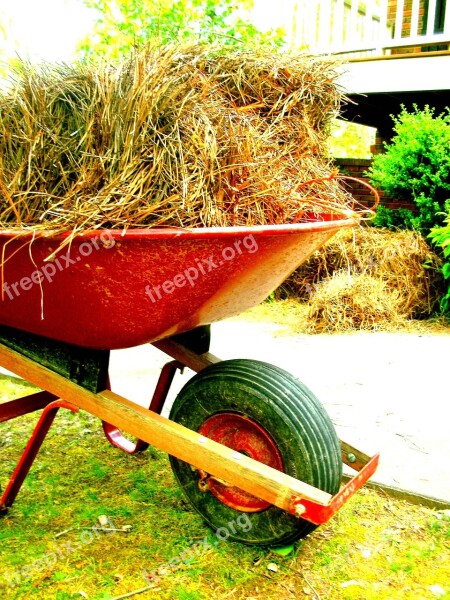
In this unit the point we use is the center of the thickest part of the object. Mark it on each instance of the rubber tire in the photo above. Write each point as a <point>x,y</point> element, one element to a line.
<point>291,415</point>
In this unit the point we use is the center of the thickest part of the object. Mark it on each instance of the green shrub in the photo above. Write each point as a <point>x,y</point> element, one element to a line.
<point>416,165</point>
<point>393,219</point>
<point>441,237</point>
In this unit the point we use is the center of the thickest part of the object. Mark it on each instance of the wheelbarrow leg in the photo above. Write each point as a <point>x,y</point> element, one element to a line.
<point>194,342</point>
<point>29,454</point>
<point>115,436</point>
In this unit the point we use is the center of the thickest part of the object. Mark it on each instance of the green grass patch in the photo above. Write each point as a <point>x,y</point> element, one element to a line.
<point>12,387</point>
<point>374,548</point>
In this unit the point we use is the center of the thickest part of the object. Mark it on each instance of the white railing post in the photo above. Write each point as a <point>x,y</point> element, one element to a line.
<point>338,23</point>
<point>324,23</point>
<point>353,17</point>
<point>305,34</point>
<point>368,21</point>
<point>414,31</point>
<point>447,19</point>
<point>383,33</point>
<point>311,21</point>
<point>431,17</point>
<point>399,20</point>
<point>294,29</point>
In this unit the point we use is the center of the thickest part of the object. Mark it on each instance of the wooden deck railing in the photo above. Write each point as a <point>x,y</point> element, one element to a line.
<point>372,27</point>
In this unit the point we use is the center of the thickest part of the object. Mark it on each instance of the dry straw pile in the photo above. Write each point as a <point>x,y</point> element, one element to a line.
<point>191,136</point>
<point>345,303</point>
<point>367,278</point>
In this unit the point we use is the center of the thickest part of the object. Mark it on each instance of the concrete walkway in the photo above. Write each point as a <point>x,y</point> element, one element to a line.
<point>384,392</point>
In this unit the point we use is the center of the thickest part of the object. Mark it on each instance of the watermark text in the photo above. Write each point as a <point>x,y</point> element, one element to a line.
<point>50,269</point>
<point>202,267</point>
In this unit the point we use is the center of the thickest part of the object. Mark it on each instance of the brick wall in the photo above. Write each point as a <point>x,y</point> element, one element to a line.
<point>355,167</point>
<point>378,147</point>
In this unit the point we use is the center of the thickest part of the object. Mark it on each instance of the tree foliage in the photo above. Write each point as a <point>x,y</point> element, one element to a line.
<point>126,24</point>
<point>416,165</point>
<point>4,39</point>
<point>351,140</point>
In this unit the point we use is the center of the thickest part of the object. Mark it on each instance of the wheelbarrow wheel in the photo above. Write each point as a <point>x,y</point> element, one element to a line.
<point>262,411</point>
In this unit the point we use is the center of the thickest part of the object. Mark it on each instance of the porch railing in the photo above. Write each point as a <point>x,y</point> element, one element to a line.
<point>372,27</point>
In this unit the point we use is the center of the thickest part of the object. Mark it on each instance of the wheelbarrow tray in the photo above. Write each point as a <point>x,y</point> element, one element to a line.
<point>118,289</point>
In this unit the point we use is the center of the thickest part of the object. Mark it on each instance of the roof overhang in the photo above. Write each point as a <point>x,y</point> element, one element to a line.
<point>377,88</point>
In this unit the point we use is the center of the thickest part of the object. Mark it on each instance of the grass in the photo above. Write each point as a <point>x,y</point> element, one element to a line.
<point>374,548</point>
<point>12,387</point>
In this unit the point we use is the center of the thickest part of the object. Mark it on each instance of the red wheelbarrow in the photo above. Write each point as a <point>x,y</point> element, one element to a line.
<point>242,435</point>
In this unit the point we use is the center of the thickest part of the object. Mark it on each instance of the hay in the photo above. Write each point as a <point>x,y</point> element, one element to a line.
<point>190,136</point>
<point>346,302</point>
<point>401,261</point>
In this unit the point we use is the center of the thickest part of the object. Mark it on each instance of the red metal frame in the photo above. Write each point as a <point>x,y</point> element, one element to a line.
<point>320,513</point>
<point>26,404</point>
<point>32,448</point>
<point>115,436</point>
<point>51,405</point>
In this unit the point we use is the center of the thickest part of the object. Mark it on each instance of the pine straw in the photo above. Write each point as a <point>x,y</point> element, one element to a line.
<point>346,302</point>
<point>175,136</point>
<point>398,262</point>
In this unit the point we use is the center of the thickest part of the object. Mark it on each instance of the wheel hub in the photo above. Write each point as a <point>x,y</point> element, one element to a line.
<point>247,437</point>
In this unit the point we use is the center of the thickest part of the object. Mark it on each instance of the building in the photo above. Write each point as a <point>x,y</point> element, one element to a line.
<point>396,52</point>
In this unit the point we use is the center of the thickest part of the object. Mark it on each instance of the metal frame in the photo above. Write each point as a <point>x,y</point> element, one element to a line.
<point>31,449</point>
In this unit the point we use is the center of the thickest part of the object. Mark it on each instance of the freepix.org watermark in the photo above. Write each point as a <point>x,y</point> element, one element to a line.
<point>51,269</point>
<point>60,551</point>
<point>188,554</point>
<point>202,267</point>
